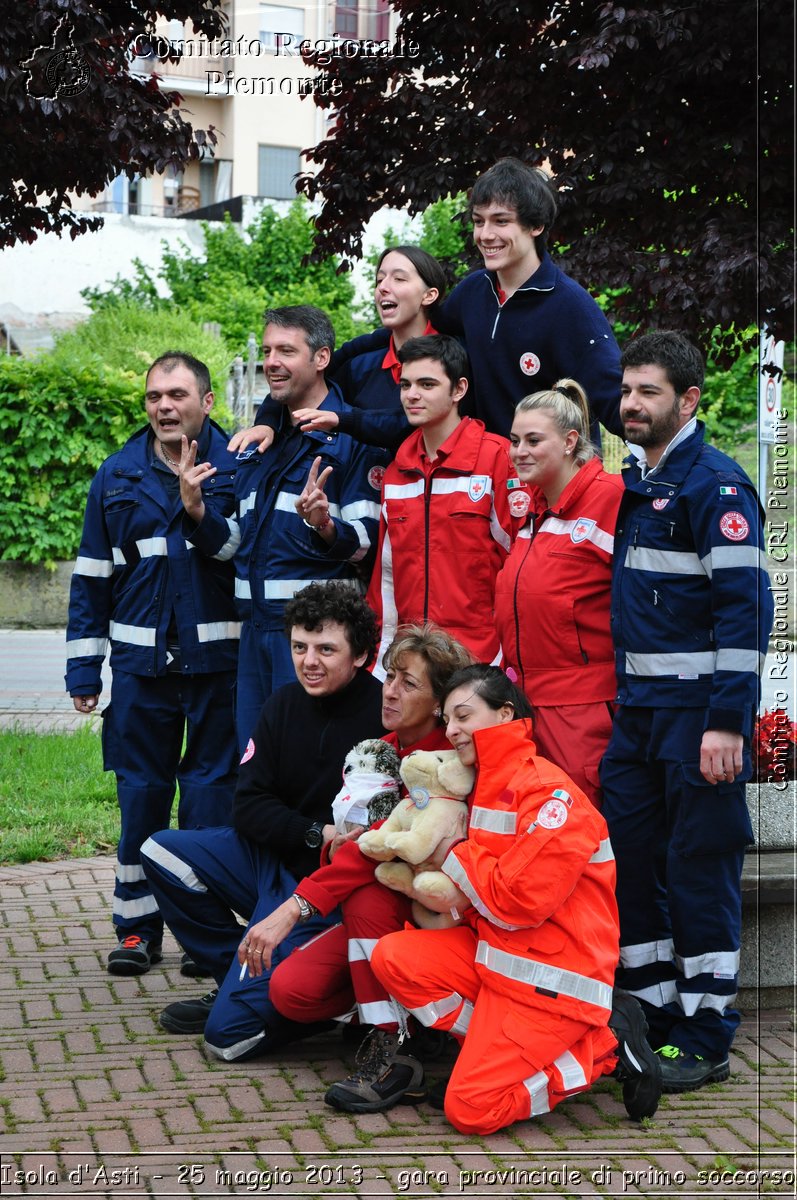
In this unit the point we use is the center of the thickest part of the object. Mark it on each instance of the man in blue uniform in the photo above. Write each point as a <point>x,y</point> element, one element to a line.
<point>168,612</point>
<point>281,817</point>
<point>691,615</point>
<point>308,511</point>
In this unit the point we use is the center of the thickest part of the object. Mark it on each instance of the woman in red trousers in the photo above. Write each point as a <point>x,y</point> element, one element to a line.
<point>552,595</point>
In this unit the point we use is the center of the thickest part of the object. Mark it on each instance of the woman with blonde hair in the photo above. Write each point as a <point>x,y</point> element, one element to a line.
<point>552,596</point>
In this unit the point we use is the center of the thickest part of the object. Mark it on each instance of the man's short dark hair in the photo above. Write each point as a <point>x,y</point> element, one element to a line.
<point>682,362</point>
<point>314,322</point>
<point>440,348</point>
<point>338,601</point>
<point>176,358</point>
<point>526,189</point>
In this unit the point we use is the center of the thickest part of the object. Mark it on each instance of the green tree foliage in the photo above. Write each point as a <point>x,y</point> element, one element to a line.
<point>240,274</point>
<point>63,412</point>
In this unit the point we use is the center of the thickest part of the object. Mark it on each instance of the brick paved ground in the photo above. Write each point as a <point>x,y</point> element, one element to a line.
<point>91,1086</point>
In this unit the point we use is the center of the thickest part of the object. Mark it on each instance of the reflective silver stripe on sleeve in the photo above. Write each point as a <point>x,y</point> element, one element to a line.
<point>462,1023</point>
<point>218,631</point>
<point>642,954</point>
<point>363,539</point>
<point>171,863</point>
<point>95,568</point>
<point>230,1053</point>
<point>129,873</point>
<point>118,557</point>
<point>287,501</point>
<point>494,822</point>
<point>734,558</point>
<point>559,528</point>
<point>604,853</point>
<point>692,1001</point>
<point>542,975</point>
<point>717,962</point>
<point>454,869</point>
<point>572,1072</point>
<point>87,648</point>
<point>232,543</point>
<point>154,547</point>
<point>360,510</point>
<point>247,504</point>
<point>497,531</point>
<point>134,635</point>
<point>243,589</point>
<point>729,658</point>
<point>134,908</point>
<point>537,1088</point>
<point>700,662</point>
<point>665,562</point>
<point>286,589</point>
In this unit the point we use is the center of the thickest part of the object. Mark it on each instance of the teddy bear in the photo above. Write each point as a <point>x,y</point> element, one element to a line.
<point>433,811</point>
<point>371,785</point>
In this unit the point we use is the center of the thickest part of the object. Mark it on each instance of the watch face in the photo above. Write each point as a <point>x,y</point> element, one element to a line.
<point>313,837</point>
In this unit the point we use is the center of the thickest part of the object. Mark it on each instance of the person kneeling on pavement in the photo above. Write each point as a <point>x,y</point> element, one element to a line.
<point>524,981</point>
<point>289,773</point>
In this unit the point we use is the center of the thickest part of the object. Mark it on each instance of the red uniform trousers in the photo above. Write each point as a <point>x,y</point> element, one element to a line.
<point>330,976</point>
<point>575,737</point>
<point>516,1061</point>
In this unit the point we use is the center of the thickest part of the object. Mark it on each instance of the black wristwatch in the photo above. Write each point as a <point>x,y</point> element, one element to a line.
<point>314,836</point>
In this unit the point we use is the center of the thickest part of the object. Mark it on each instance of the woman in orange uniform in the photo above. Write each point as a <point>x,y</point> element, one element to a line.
<point>552,595</point>
<point>525,981</point>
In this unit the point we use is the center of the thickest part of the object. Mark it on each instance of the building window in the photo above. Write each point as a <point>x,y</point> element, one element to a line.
<point>346,20</point>
<point>276,168</point>
<point>377,21</point>
<point>275,20</point>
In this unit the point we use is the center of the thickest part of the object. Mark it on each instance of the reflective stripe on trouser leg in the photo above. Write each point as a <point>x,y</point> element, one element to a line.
<point>369,913</point>
<point>143,811</point>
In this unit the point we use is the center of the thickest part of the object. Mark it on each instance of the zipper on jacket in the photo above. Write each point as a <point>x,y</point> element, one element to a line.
<point>427,504</point>
<point>515,604</point>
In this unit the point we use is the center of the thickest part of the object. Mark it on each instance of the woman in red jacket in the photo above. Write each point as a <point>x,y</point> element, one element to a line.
<point>332,977</point>
<point>525,981</point>
<point>552,596</point>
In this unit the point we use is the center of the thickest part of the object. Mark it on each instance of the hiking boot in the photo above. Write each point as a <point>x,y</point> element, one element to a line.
<point>384,1076</point>
<point>436,1096</point>
<point>188,1016</point>
<point>638,1068</point>
<point>134,956</point>
<point>191,969</point>
<point>682,1072</point>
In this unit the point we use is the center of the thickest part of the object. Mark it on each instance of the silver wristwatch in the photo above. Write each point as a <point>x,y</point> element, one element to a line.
<point>306,910</point>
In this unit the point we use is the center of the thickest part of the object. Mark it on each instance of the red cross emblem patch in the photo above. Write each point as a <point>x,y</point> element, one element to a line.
<point>581,530</point>
<point>529,363</point>
<point>477,486</point>
<point>734,526</point>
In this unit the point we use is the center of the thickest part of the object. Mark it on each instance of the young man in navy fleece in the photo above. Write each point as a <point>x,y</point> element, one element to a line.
<point>525,323</point>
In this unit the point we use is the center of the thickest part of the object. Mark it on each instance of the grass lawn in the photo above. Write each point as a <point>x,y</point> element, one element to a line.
<point>55,799</point>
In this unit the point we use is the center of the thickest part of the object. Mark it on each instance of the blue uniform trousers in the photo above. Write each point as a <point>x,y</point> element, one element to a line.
<point>143,733</point>
<point>679,843</point>
<point>201,880</point>
<point>264,664</point>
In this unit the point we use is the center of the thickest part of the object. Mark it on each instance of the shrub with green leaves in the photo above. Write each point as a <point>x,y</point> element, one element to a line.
<point>239,275</point>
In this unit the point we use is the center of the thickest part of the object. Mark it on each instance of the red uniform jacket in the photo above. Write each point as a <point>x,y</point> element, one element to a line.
<point>444,534</point>
<point>553,595</point>
<point>538,868</point>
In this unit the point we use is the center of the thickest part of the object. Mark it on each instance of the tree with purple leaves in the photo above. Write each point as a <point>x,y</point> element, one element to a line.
<point>73,116</point>
<point>668,129</point>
